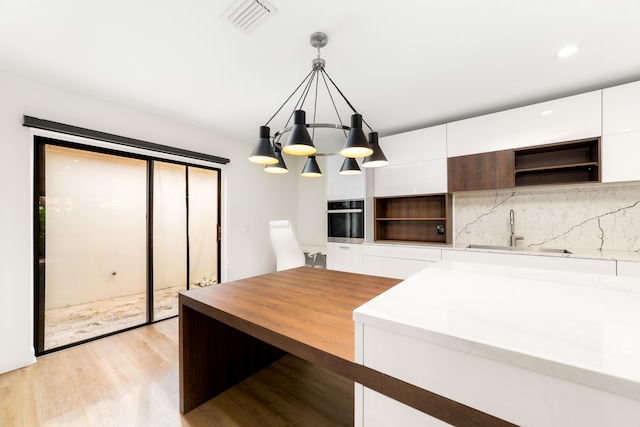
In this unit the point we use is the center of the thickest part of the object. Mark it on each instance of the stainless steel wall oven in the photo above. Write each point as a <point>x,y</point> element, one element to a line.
<point>345,220</point>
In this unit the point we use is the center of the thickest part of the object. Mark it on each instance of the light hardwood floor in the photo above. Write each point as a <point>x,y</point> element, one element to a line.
<point>131,379</point>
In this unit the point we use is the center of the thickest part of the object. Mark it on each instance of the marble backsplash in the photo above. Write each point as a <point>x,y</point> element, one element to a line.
<point>602,217</point>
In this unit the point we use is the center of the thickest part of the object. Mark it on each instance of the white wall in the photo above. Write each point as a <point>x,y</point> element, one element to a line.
<point>250,196</point>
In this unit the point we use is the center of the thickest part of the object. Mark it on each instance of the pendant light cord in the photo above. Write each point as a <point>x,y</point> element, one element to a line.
<point>313,74</point>
<point>335,108</point>
<point>345,98</point>
<point>290,96</point>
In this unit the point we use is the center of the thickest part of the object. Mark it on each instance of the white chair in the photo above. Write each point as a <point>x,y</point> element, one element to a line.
<point>285,245</point>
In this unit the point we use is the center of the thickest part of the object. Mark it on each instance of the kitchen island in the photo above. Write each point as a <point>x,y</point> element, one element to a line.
<point>231,330</point>
<point>533,347</point>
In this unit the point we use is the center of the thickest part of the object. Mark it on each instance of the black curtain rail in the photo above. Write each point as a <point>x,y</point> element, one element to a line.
<point>34,122</point>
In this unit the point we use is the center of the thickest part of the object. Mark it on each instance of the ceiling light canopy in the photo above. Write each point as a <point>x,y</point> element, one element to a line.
<point>300,142</point>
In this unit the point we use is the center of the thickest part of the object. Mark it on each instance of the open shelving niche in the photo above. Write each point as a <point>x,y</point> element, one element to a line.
<point>562,163</point>
<point>415,218</point>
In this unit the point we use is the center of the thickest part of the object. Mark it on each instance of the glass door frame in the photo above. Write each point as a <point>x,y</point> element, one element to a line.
<point>39,186</point>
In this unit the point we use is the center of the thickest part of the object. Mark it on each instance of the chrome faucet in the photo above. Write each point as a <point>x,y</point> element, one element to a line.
<point>512,220</point>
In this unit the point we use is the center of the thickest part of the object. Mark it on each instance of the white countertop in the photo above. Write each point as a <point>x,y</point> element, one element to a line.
<point>633,256</point>
<point>583,328</point>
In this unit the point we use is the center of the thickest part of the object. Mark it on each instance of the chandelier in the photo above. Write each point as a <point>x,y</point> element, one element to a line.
<point>268,151</point>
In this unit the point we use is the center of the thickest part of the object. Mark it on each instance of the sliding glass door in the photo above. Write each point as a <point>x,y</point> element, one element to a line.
<point>118,236</point>
<point>169,237</point>
<point>204,232</point>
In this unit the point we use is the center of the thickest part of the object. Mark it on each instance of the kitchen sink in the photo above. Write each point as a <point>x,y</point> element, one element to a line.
<point>519,249</point>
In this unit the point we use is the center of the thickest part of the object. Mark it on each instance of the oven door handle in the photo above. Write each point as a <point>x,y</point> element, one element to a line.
<point>344,211</point>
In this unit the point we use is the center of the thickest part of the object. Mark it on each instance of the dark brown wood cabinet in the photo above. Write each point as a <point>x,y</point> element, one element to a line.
<point>420,218</point>
<point>485,171</point>
<point>571,162</point>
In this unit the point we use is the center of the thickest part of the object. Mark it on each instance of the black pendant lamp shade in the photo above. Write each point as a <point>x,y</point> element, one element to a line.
<point>263,151</point>
<point>299,142</point>
<point>299,136</point>
<point>280,167</point>
<point>378,158</point>
<point>356,144</point>
<point>311,168</point>
<point>350,167</point>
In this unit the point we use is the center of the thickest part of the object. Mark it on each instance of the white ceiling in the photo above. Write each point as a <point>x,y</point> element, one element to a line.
<point>403,64</point>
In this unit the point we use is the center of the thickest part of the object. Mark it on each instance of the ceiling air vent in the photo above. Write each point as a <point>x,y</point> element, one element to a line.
<point>246,15</point>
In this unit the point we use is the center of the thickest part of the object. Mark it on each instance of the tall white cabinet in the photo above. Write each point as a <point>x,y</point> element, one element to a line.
<point>347,257</point>
<point>621,133</point>
<point>344,187</point>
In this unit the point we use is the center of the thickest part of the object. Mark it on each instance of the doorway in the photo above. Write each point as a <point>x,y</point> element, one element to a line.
<point>118,236</point>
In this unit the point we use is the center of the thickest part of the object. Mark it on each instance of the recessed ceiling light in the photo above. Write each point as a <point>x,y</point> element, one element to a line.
<point>546,113</point>
<point>567,51</point>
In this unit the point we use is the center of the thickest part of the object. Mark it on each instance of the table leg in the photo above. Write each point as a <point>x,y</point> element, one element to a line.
<point>215,357</point>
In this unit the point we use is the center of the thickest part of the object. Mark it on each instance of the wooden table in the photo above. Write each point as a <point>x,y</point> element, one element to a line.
<point>232,330</point>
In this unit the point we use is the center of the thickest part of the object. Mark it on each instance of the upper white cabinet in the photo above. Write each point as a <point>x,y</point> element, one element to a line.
<point>415,146</point>
<point>417,163</point>
<point>565,119</point>
<point>621,109</point>
<point>620,154</point>
<point>344,187</point>
<point>416,178</point>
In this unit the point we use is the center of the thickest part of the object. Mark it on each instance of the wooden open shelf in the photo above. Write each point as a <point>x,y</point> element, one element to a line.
<point>422,218</point>
<point>564,163</point>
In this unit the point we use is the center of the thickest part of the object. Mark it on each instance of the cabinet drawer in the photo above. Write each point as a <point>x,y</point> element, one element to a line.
<point>406,252</point>
<point>345,257</point>
<point>397,268</point>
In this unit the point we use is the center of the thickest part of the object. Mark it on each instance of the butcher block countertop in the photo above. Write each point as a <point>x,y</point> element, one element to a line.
<point>308,306</point>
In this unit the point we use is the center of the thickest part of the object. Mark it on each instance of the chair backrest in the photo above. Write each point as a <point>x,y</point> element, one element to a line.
<point>285,245</point>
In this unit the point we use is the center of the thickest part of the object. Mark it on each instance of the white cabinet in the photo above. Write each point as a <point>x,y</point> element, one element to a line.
<point>345,257</point>
<point>343,187</point>
<point>417,163</point>
<point>620,154</point>
<point>629,268</point>
<point>425,177</point>
<point>472,377</point>
<point>398,262</point>
<point>621,109</point>
<point>415,146</point>
<point>559,263</point>
<point>566,119</point>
